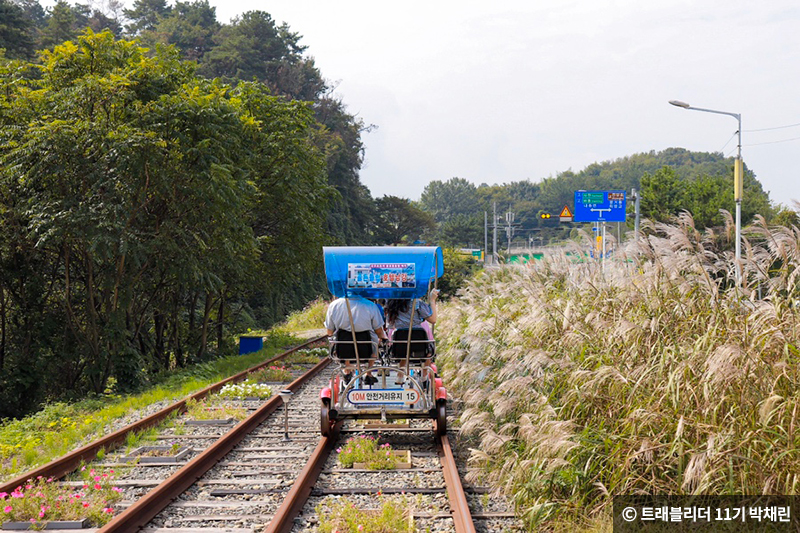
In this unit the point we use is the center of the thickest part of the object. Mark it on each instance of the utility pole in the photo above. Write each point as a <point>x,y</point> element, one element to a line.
<point>485,237</point>
<point>494,231</point>
<point>635,194</point>
<point>509,229</point>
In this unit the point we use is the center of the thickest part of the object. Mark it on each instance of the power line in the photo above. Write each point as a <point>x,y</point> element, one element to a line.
<point>729,140</point>
<point>775,128</point>
<point>775,142</point>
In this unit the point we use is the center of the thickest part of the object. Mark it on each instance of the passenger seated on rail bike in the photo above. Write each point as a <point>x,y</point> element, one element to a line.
<point>364,317</point>
<point>398,319</point>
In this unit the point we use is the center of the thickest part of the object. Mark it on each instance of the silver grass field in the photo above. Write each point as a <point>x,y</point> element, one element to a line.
<point>654,374</point>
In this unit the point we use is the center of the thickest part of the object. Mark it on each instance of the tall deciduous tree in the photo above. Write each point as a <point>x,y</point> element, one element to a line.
<point>139,205</point>
<point>445,200</point>
<point>399,221</point>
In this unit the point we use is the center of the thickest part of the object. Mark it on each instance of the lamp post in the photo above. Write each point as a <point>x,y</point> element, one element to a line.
<point>285,395</point>
<point>738,180</point>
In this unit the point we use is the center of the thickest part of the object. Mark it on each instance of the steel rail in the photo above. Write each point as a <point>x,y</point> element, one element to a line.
<point>283,519</point>
<point>147,507</point>
<point>70,462</point>
<point>462,519</point>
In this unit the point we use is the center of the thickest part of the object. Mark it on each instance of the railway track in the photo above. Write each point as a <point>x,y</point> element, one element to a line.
<point>272,471</point>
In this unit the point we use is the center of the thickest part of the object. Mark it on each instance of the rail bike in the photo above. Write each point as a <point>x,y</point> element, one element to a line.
<point>394,379</point>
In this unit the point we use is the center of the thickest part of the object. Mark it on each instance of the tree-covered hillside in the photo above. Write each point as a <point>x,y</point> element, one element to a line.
<point>670,181</point>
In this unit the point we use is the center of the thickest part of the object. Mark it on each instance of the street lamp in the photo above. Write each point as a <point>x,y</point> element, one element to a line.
<point>738,180</point>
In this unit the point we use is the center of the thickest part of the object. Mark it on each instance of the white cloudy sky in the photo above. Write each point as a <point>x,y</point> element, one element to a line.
<point>510,90</point>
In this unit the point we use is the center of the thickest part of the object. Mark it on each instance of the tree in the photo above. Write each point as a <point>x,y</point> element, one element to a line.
<point>140,204</point>
<point>190,26</point>
<point>445,200</point>
<point>252,47</point>
<point>787,217</point>
<point>662,195</point>
<point>400,221</point>
<point>461,230</point>
<point>16,31</point>
<point>61,25</point>
<point>705,196</point>
<point>145,15</point>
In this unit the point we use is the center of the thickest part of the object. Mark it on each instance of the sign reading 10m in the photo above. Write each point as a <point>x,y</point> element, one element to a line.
<point>599,206</point>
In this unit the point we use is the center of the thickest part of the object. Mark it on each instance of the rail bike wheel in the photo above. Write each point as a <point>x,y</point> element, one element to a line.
<point>325,420</point>
<point>441,418</point>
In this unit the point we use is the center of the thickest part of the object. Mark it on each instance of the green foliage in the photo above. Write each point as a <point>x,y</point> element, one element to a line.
<point>272,374</point>
<point>365,449</point>
<point>457,270</point>
<point>445,200</point>
<point>140,205</point>
<point>310,317</point>
<point>16,31</point>
<point>213,408</point>
<point>145,15</point>
<point>342,515</point>
<point>787,218</point>
<point>42,500</point>
<point>399,221</point>
<point>190,26</point>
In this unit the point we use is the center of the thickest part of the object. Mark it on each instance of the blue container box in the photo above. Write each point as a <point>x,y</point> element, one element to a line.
<point>250,344</point>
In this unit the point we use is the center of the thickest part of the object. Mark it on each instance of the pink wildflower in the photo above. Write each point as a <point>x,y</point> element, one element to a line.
<point>360,527</point>
<point>116,489</point>
<point>28,487</point>
<point>41,514</point>
<point>98,486</point>
<point>17,493</point>
<point>38,477</point>
<point>108,510</point>
<point>83,468</point>
<point>7,509</point>
<point>110,471</point>
<point>97,478</point>
<point>3,495</point>
<point>86,504</point>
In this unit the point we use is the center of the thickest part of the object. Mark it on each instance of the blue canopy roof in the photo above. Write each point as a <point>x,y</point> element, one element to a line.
<point>382,271</point>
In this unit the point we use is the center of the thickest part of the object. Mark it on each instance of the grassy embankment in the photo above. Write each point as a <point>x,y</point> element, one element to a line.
<point>59,428</point>
<point>655,377</point>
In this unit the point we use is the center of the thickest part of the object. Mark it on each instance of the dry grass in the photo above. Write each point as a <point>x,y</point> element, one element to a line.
<point>655,376</point>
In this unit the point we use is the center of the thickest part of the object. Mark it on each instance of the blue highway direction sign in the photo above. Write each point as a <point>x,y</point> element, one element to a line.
<point>599,206</point>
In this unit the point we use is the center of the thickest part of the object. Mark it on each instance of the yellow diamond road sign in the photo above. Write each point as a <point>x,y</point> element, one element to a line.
<point>566,215</point>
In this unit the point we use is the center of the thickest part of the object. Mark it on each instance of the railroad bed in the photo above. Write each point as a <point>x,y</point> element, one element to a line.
<point>246,477</point>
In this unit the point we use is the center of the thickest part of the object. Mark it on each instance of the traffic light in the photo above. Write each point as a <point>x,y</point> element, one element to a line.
<point>544,215</point>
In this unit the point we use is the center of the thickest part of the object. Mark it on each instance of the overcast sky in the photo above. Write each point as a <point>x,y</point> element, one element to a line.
<point>504,91</point>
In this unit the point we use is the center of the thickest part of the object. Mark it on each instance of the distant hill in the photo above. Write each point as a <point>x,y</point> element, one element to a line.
<point>674,179</point>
